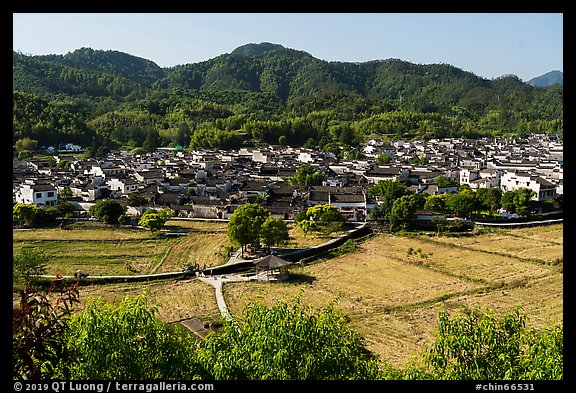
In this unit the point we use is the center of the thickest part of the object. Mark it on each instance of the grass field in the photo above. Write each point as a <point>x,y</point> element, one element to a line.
<point>391,287</point>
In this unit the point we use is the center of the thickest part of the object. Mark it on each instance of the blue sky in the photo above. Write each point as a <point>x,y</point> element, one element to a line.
<point>487,44</point>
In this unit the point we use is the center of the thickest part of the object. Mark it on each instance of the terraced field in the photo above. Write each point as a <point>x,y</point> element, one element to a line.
<point>391,287</point>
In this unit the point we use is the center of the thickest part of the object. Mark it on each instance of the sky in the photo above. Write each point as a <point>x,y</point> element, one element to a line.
<point>489,45</point>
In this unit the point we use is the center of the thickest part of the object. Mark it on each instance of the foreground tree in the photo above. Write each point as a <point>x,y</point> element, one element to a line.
<point>478,345</point>
<point>287,341</point>
<point>129,342</point>
<point>39,325</point>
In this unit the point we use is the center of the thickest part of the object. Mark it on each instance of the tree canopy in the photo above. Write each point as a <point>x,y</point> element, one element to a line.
<point>107,210</point>
<point>286,340</point>
<point>245,224</point>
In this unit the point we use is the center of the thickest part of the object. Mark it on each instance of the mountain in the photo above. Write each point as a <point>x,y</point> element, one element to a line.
<point>270,69</point>
<point>548,79</point>
<point>256,49</point>
<point>261,92</point>
<point>112,62</point>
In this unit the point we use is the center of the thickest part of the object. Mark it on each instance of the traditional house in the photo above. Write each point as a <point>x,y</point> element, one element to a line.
<point>37,193</point>
<point>378,173</point>
<point>514,180</point>
<point>122,186</point>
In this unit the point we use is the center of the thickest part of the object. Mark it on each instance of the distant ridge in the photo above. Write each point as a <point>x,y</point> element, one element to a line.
<point>264,94</point>
<point>548,79</point>
<point>256,49</point>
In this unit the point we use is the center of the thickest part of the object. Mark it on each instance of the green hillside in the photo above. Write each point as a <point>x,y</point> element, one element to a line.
<point>266,93</point>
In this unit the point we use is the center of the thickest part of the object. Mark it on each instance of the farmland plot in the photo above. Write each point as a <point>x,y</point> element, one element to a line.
<point>465,262</point>
<point>541,244</point>
<point>210,249</point>
<point>392,287</point>
<point>99,257</point>
<point>176,300</point>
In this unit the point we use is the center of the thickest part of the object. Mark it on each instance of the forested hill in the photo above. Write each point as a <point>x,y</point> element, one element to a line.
<point>259,93</point>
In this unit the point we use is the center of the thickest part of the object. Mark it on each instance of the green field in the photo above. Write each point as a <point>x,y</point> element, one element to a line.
<point>391,287</point>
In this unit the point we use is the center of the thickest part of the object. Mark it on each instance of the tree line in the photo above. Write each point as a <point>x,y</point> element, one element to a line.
<point>397,204</point>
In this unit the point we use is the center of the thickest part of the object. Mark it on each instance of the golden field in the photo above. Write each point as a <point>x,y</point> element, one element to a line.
<point>391,287</point>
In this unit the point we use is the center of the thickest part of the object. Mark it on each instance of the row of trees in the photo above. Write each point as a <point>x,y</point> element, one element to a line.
<point>281,342</point>
<point>397,204</point>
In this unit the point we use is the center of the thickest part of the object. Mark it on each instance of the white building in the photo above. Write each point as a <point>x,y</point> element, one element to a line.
<point>514,180</point>
<point>480,178</point>
<point>123,186</point>
<point>41,194</point>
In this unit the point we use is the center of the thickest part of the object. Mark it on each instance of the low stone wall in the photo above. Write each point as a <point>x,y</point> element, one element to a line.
<point>292,256</point>
<point>310,252</point>
<point>518,224</point>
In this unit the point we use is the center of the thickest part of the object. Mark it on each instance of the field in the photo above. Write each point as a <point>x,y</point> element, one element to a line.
<point>391,287</point>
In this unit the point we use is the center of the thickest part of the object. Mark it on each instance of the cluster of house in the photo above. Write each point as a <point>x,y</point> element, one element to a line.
<point>211,184</point>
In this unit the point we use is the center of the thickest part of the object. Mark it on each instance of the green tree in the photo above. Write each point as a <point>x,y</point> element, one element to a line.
<point>23,154</point>
<point>287,341</point>
<point>383,159</point>
<point>65,209</point>
<point>65,193</point>
<point>39,325</point>
<point>245,224</point>
<point>462,203</point>
<point>136,199</point>
<point>402,212</point>
<point>152,141</point>
<point>27,263</point>
<point>128,342</point>
<point>323,218</point>
<point>435,203</point>
<point>517,201</point>
<point>479,345</point>
<point>274,231</point>
<point>305,177</point>
<point>443,181</point>
<point>489,198</point>
<point>387,191</point>
<point>107,211</point>
<point>28,144</point>
<point>24,214</point>
<point>152,220</point>
<point>261,199</point>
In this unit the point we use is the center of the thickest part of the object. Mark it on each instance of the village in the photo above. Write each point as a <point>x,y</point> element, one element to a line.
<point>211,184</point>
